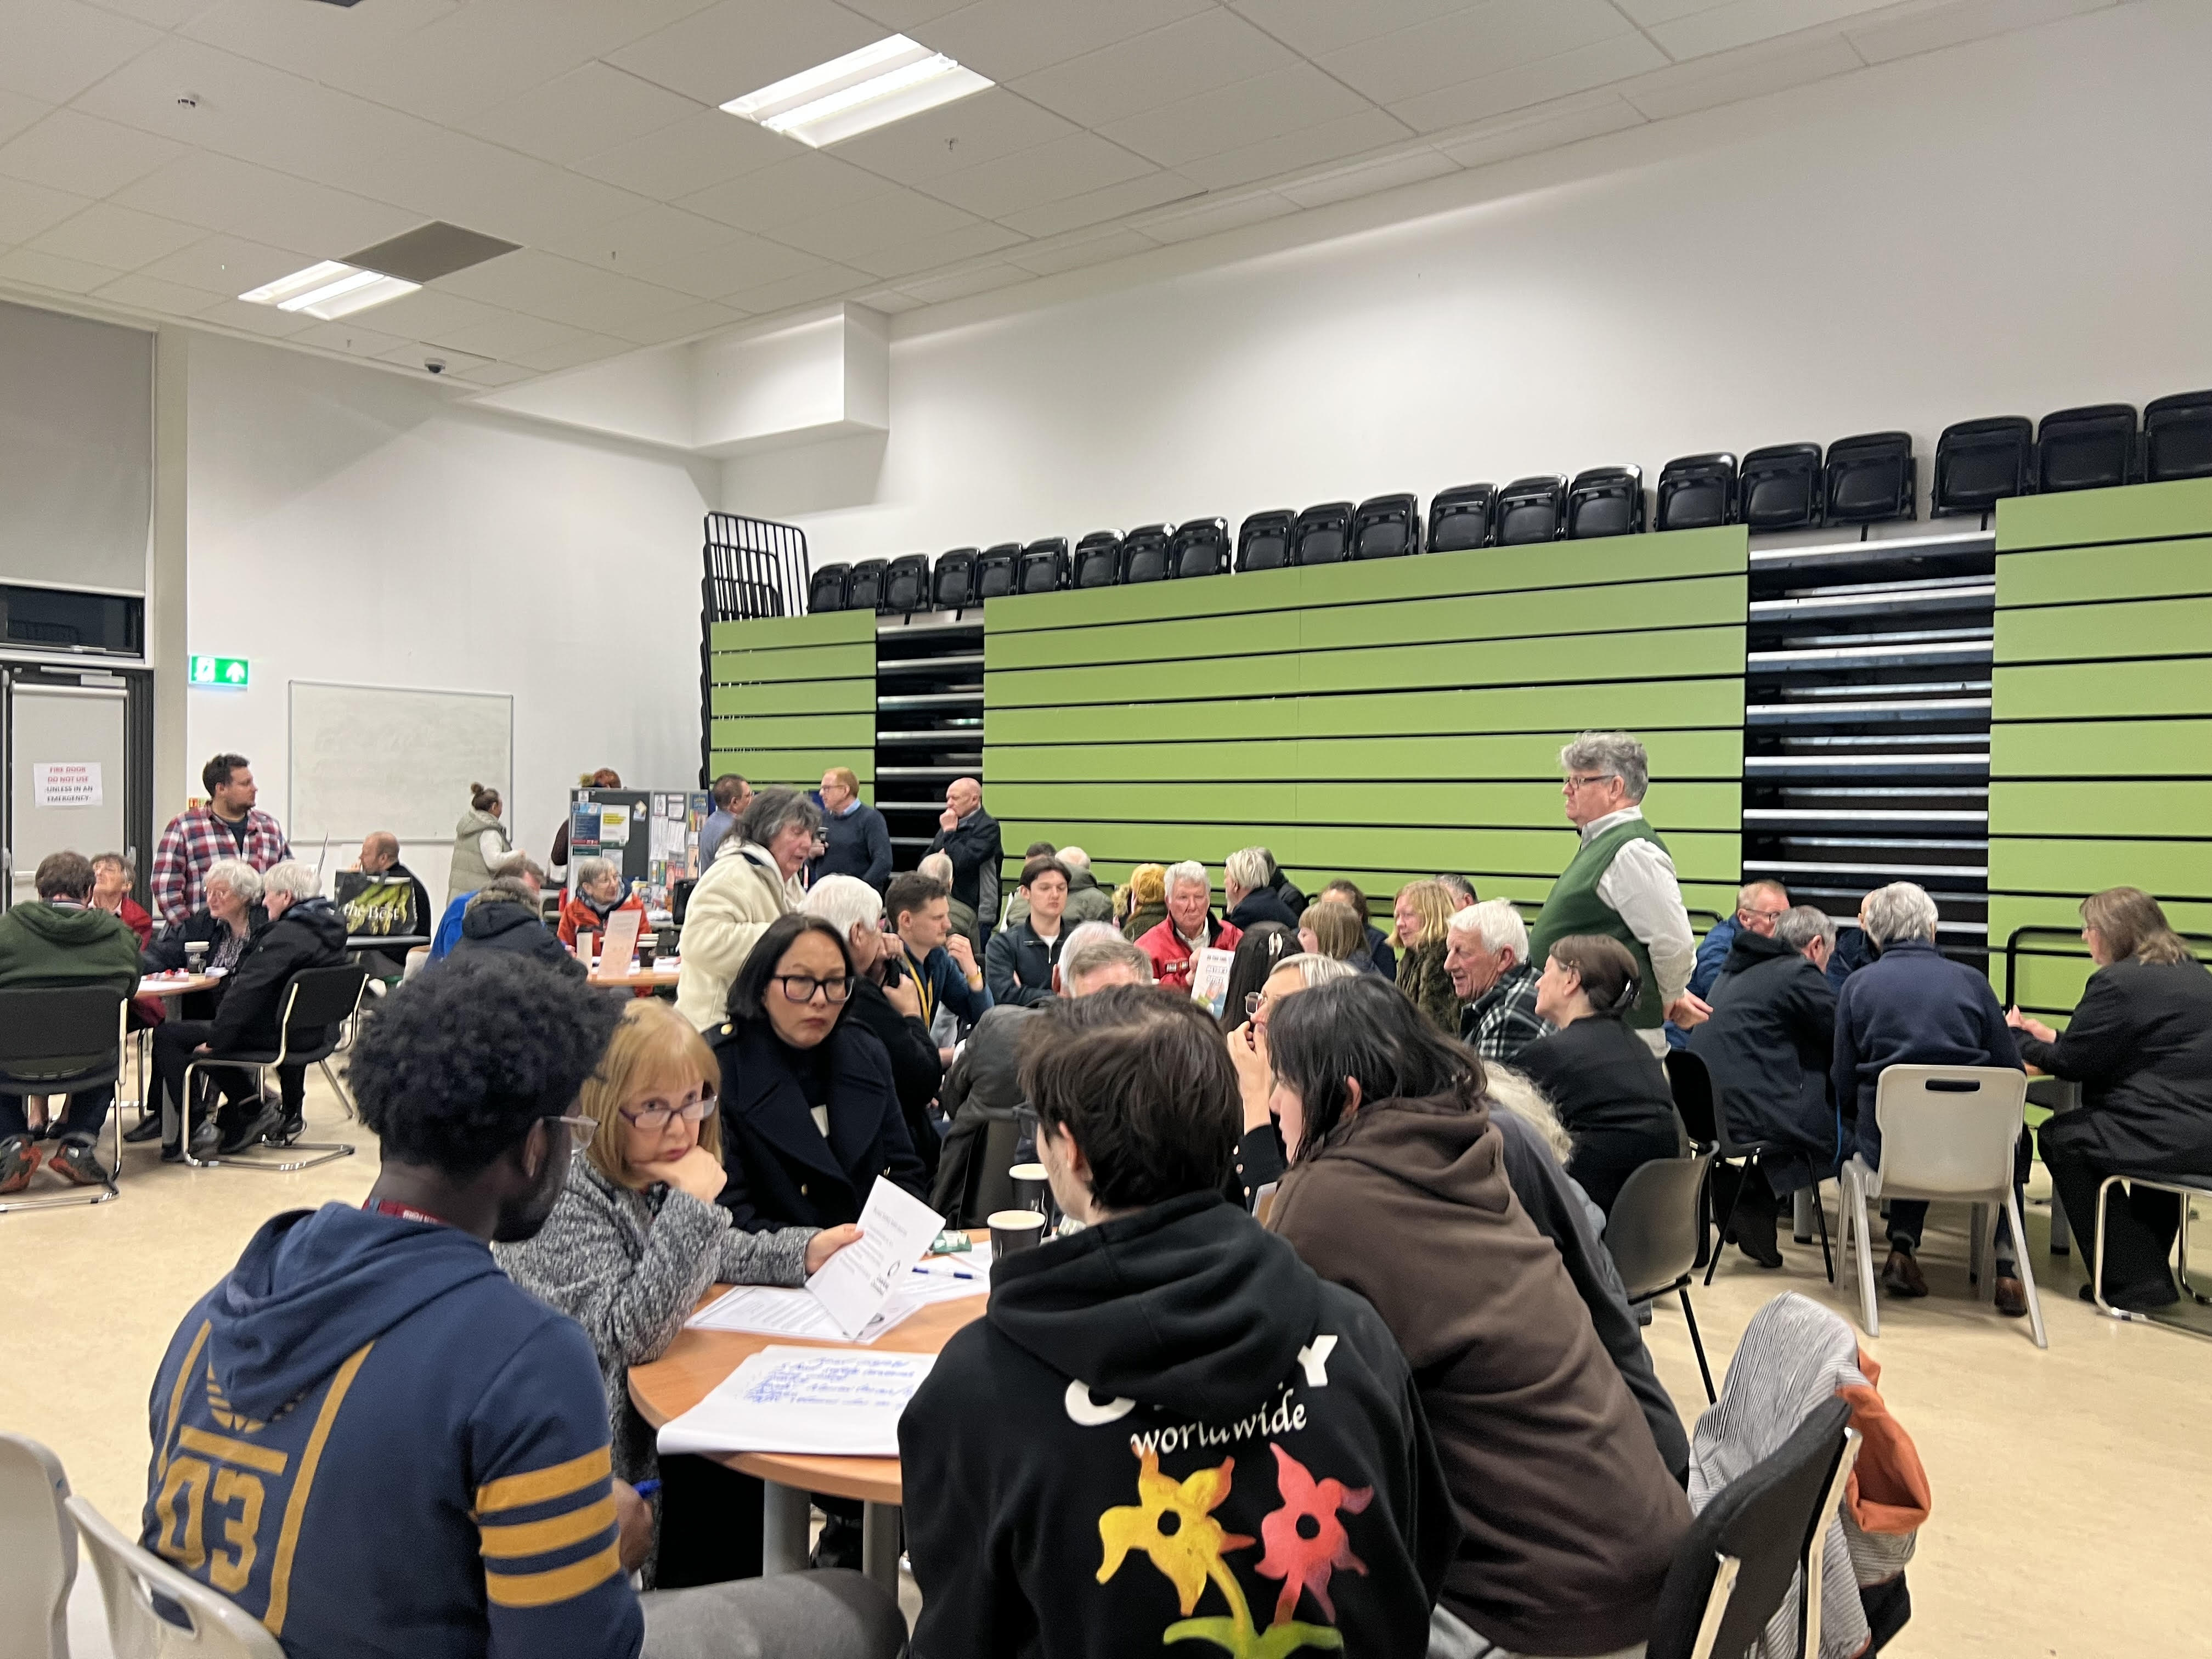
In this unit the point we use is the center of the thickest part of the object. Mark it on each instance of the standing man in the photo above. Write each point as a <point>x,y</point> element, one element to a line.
<point>732,795</point>
<point>856,841</point>
<point>1486,954</point>
<point>228,827</point>
<point>968,836</point>
<point>1621,884</point>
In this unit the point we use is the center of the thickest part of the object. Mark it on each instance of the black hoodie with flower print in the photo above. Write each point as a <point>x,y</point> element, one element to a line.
<point>1167,1429</point>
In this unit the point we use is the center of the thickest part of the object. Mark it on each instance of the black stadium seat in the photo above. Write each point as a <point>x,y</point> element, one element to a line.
<point>906,585</point>
<point>1144,553</point>
<point>1980,463</point>
<point>1098,560</point>
<point>1459,516</point>
<point>1043,567</point>
<point>1606,501</point>
<point>1386,528</point>
<point>865,589</point>
<point>1871,478</point>
<point>955,579</point>
<point>2089,449</point>
<point>1323,534</point>
<point>1779,488</point>
<point>1201,548</point>
<point>995,570</point>
<point>1697,492</point>
<point>825,589</point>
<point>1263,541</point>
<point>2178,437</point>
<point>1531,510</point>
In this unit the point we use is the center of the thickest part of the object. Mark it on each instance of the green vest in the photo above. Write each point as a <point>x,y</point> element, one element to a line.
<point>1573,907</point>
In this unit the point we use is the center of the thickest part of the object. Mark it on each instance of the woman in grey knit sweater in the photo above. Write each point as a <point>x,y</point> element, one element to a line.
<point>636,1237</point>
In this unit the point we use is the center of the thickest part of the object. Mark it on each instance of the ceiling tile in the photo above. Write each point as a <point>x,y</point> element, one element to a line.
<point>637,242</point>
<point>934,290</point>
<point>694,154</point>
<point>952,137</point>
<point>1081,162</point>
<point>1742,22</point>
<point>270,207</point>
<point>1645,12</point>
<point>682,323</point>
<point>54,49</point>
<point>1290,152</point>
<point>161,13</point>
<point>748,262</point>
<point>1094,207</point>
<point>1366,177</point>
<point>104,234</point>
<point>431,313</point>
<point>1205,218</point>
<point>18,111</point>
<point>1587,67</point>
<point>1244,112</point>
<point>1008,39</point>
<point>460,365</point>
<point>1316,27</point>
<point>1525,132</point>
<point>80,153</point>
<point>820,284</point>
<point>553,201</point>
<point>878,222</point>
<point>442,175</point>
<point>1725,77</point>
<point>143,293</point>
<point>1882,39</point>
<point>1177,61</point>
<point>570,354</point>
<point>199,187</point>
<point>257,319</point>
<point>490,375</point>
<point>354,339</point>
<point>1045,259</point>
<point>1460,45</point>
<point>479,57</point>
<point>585,111</point>
<point>929,252</point>
<point>903,16</point>
<point>804,185</point>
<point>509,337</point>
<point>28,209</point>
<point>889,301</point>
<point>26,265</point>
<point>226,265</point>
<point>737,46</point>
<point>309,39</point>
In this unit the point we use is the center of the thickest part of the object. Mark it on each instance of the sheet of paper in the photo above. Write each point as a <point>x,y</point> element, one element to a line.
<point>926,1289</point>
<point>620,951</point>
<point>764,1310</point>
<point>895,1228</point>
<point>976,1259</point>
<point>819,1402</point>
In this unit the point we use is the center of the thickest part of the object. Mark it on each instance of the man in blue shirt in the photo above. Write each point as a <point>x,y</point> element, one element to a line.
<point>732,795</point>
<point>855,841</point>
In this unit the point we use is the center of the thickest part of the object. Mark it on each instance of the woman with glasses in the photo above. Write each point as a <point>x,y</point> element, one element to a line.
<point>634,1242</point>
<point>809,1110</point>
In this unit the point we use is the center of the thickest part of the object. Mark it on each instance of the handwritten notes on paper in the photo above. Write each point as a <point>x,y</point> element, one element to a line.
<point>806,1402</point>
<point>895,1229</point>
<point>763,1310</point>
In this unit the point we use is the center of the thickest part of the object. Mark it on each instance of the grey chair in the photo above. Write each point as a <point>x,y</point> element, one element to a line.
<point>38,1550</point>
<point>1654,1232</point>
<point>130,1577</point>
<point>60,1040</point>
<point>316,999</point>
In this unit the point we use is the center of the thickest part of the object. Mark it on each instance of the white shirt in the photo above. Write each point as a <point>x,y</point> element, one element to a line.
<point>1641,888</point>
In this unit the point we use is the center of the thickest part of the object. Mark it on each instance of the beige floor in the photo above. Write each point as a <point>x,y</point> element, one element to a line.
<point>2073,1488</point>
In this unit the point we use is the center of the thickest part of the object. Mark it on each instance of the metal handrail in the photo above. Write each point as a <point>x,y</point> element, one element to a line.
<point>2014,950</point>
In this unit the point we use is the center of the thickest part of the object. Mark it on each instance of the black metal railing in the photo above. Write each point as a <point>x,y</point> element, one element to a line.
<point>2014,949</point>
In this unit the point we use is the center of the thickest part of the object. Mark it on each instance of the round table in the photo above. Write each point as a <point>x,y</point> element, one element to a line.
<point>165,986</point>
<point>662,975</point>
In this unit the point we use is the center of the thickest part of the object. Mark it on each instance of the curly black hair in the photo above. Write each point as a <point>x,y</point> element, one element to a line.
<point>453,1067</point>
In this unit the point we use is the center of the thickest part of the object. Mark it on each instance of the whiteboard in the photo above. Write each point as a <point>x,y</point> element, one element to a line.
<point>392,757</point>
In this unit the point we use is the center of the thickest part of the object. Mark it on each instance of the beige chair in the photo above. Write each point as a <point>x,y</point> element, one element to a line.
<point>220,1628</point>
<point>37,1552</point>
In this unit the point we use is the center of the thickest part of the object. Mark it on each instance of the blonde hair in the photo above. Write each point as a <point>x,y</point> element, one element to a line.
<point>1337,929</point>
<point>2133,926</point>
<point>1148,884</point>
<point>1433,902</point>
<point>653,1047</point>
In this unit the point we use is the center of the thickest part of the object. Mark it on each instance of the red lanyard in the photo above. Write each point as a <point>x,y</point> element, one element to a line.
<point>405,1213</point>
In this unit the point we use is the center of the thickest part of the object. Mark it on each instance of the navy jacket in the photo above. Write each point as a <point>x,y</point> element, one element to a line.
<point>374,1441</point>
<point>499,925</point>
<point>1911,1006</point>
<point>943,985</point>
<point>1017,966</point>
<point>1261,904</point>
<point>858,844</point>
<point>1768,1046</point>
<point>973,848</point>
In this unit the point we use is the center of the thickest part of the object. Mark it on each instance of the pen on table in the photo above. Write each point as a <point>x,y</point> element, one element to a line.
<point>954,1272</point>
<point>646,1488</point>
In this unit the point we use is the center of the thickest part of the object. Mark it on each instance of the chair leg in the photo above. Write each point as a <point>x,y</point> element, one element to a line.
<point>2027,1271</point>
<point>1820,1212</point>
<point>1742,1173</point>
<point>1698,1343</point>
<point>337,1088</point>
<point>1855,1208</point>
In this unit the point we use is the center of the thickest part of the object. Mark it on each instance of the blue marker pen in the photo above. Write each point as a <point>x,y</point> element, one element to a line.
<point>955,1273</point>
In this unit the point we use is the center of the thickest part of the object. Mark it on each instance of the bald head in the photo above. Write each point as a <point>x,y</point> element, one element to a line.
<point>963,796</point>
<point>380,850</point>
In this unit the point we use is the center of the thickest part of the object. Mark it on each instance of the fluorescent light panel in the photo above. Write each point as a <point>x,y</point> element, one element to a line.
<point>330,290</point>
<point>872,87</point>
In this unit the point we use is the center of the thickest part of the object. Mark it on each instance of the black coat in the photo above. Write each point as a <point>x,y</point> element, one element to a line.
<point>1768,1046</point>
<point>916,1070</point>
<point>983,1087</point>
<point>1380,953</point>
<point>1017,966</point>
<point>973,848</point>
<point>2140,1044</point>
<point>311,933</point>
<point>858,843</point>
<point>495,924</point>
<point>783,1173</point>
<point>1262,904</point>
<point>1286,889</point>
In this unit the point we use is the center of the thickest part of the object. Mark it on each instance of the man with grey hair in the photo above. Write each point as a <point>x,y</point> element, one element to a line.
<point>1486,954</point>
<point>1621,882</point>
<point>1095,956</point>
<point>1244,877</point>
<point>1912,1006</point>
<point>1191,927</point>
<point>1758,905</point>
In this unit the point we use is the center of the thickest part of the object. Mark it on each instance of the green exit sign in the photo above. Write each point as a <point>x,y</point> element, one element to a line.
<point>219,671</point>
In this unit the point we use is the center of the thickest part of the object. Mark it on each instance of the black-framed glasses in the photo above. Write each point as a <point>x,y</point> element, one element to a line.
<point>802,987</point>
<point>657,1117</point>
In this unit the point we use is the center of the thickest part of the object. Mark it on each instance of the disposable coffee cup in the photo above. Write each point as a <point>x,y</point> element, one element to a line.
<point>195,954</point>
<point>583,942</point>
<point>1032,1191</point>
<point>648,943</point>
<point>1013,1232</point>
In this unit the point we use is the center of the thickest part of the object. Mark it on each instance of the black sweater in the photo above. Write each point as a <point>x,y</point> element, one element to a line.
<point>2140,1044</point>
<point>1600,1078</point>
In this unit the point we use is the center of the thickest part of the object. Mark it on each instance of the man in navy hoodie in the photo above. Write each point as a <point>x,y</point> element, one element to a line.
<point>372,1440</point>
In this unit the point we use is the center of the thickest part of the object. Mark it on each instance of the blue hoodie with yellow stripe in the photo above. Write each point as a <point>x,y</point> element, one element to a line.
<point>367,1437</point>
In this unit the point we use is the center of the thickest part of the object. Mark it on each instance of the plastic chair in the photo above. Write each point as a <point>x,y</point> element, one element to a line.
<point>38,1550</point>
<point>1098,561</point>
<point>1872,478</point>
<point>2176,437</point>
<point>1322,535</point>
<point>1696,492</point>
<point>863,588</point>
<point>1460,518</point>
<point>1263,541</point>
<point>1745,1548</point>
<point>1042,567</point>
<point>1980,463</point>
<point>2088,448</point>
<point>1654,1234</point>
<point>995,570</point>
<point>1606,501</point>
<point>57,1040</point>
<point>1145,554</point>
<point>1695,1098</point>
<point>1387,527</point>
<point>907,584</point>
<point>1200,547</point>
<point>316,999</point>
<point>953,587</point>
<point>1781,488</point>
<point>129,1576</point>
<point>1531,510</point>
<point>1947,1133</point>
<point>825,589</point>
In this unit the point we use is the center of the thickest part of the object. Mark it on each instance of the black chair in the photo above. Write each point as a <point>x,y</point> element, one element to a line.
<point>955,584</point>
<point>1532,510</point>
<point>1654,1232</point>
<point>1606,501</point>
<point>1696,492</point>
<point>1387,527</point>
<point>995,570</point>
<point>1980,463</point>
<point>1042,567</point>
<point>2088,448</point>
<point>1872,478</point>
<point>1735,1567</point>
<point>989,1185</point>
<point>2176,437</point>
<point>316,999</point>
<point>1459,516</point>
<point>1263,541</point>
<point>1144,553</point>
<point>57,1040</point>
<point>1199,547</point>
<point>1692,1085</point>
<point>825,589</point>
<point>864,589</point>
<point>1322,535</point>
<point>1779,488</point>
<point>906,585</point>
<point>1098,560</point>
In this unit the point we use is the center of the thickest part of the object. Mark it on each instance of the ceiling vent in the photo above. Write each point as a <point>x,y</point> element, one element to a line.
<point>430,251</point>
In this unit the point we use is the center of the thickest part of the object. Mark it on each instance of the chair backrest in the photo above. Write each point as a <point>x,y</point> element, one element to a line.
<point>59,1033</point>
<point>2178,437</point>
<point>1743,1550</point>
<point>1042,567</point>
<point>1871,478</point>
<point>220,1629</point>
<point>1531,510</point>
<point>1949,1129</point>
<point>1606,501</point>
<point>1459,516</point>
<point>1387,527</point>
<point>1145,554</point>
<point>825,589</point>
<point>906,585</point>
<point>1780,487</point>
<point>995,570</point>
<point>1323,534</point>
<point>864,589</point>
<point>1653,1229</point>
<point>38,1550</point>
<point>1263,541</point>
<point>1696,492</point>
<point>1979,463</point>
<point>1692,1085</point>
<point>320,997</point>
<point>2088,448</point>
<point>1098,560</point>
<point>989,1185</point>
<point>1199,547</point>
<point>954,584</point>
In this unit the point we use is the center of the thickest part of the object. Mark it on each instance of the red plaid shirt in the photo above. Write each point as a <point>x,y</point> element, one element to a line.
<point>194,840</point>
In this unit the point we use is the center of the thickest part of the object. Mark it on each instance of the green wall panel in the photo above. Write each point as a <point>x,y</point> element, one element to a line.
<point>795,697</point>
<point>855,733</point>
<point>1438,805</point>
<point>2090,633</point>
<point>2088,575</point>
<point>2166,869</point>
<point>2105,690</point>
<point>1533,756</point>
<point>2133,512</point>
<point>773,633</point>
<point>2163,806</point>
<point>822,662</point>
<point>789,767</point>
<point>2093,749</point>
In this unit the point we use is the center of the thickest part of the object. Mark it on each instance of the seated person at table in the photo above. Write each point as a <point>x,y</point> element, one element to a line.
<point>381,898</point>
<point>1017,961</point>
<point>374,1442</point>
<point>599,892</point>
<point>942,961</point>
<point>1424,911</point>
<point>1396,1190</point>
<point>753,880</point>
<point>810,1111</point>
<point>1345,892</point>
<point>635,1240</point>
<point>1606,1085</point>
<point>1165,1425</point>
<point>502,915</point>
<point>110,891</point>
<point>1768,1046</point>
<point>1190,926</point>
<point>1486,954</point>
<point>305,930</point>
<point>1911,1006</point>
<point>1328,927</point>
<point>230,917</point>
<point>54,941</point>
<point>885,1001</point>
<point>448,939</point>
<point>2140,1044</point>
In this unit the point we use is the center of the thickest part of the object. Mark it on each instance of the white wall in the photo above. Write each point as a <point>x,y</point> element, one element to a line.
<point>2011,227</point>
<point>351,526</point>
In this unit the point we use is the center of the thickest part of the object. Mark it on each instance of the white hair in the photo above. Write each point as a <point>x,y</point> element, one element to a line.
<point>291,877</point>
<point>1496,923</point>
<point>1075,858</point>
<point>845,902</point>
<point>1514,1091</point>
<point>242,878</point>
<point>588,871</point>
<point>1189,873</point>
<point>1314,970</point>
<point>1901,910</point>
<point>1249,867</point>
<point>1802,924</point>
<point>1097,944</point>
<point>936,866</point>
<point>1610,754</point>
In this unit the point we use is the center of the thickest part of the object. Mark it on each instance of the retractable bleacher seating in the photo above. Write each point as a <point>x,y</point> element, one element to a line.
<point>2093,447</point>
<point>1696,492</point>
<point>1387,527</point>
<point>1199,547</point>
<point>1531,510</point>
<point>1098,560</point>
<point>1605,501</point>
<point>1781,488</point>
<point>1872,478</point>
<point>1144,553</point>
<point>1460,517</point>
<point>1263,541</point>
<point>1981,463</point>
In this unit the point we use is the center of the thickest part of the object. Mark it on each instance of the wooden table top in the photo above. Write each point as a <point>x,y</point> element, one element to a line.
<point>697,1361</point>
<point>662,974</point>
<point>175,984</point>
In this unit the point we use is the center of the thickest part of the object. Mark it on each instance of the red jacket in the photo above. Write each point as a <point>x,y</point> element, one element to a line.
<point>1172,963</point>
<point>134,917</point>
<point>578,916</point>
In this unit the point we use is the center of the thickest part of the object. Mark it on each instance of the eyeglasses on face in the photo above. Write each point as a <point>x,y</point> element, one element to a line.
<point>655,1115</point>
<point>801,987</point>
<point>1586,780</point>
<point>581,1130</point>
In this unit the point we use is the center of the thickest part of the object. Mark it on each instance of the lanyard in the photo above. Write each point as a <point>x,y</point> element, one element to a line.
<point>922,986</point>
<point>405,1213</point>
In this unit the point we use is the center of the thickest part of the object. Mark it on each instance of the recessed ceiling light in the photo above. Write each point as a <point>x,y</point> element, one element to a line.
<point>862,90</point>
<point>330,290</point>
